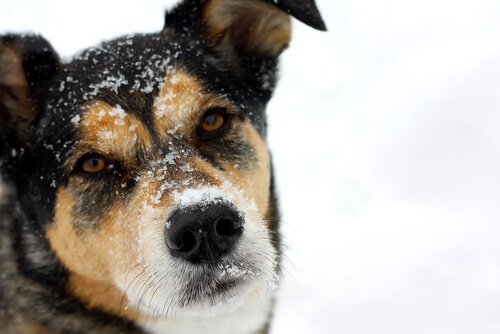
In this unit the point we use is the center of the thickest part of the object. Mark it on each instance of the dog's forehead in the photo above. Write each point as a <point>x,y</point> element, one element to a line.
<point>128,69</point>
<point>131,71</point>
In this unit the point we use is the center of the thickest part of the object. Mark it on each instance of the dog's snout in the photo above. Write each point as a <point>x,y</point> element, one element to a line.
<point>203,233</point>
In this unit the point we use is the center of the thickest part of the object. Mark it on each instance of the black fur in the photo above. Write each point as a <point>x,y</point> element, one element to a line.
<point>32,280</point>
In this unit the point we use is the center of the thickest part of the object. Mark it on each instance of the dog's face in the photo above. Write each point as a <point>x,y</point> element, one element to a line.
<point>165,188</point>
<point>141,166</point>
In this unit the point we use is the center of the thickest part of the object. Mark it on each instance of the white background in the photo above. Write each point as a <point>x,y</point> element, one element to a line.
<point>386,139</point>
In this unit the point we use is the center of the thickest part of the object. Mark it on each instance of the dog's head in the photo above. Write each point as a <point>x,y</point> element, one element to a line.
<point>141,168</point>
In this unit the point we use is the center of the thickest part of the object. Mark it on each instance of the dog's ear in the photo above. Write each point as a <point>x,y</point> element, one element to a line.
<point>26,63</point>
<point>246,35</point>
<point>262,27</point>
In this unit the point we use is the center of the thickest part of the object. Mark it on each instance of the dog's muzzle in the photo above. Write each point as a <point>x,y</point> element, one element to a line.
<point>204,233</point>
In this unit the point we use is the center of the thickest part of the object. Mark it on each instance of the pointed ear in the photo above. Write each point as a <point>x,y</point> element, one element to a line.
<point>237,28</point>
<point>26,62</point>
<point>260,27</point>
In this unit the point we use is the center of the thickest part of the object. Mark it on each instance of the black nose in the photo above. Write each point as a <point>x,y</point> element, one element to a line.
<point>203,233</point>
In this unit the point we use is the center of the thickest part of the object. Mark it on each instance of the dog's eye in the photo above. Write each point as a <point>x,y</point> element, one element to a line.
<point>214,122</point>
<point>95,164</point>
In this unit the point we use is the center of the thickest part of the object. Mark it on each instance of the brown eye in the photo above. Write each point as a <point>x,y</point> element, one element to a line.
<point>94,164</point>
<point>213,122</point>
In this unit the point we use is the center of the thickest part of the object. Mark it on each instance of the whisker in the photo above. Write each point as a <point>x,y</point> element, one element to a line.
<point>157,288</point>
<point>141,292</point>
<point>129,285</point>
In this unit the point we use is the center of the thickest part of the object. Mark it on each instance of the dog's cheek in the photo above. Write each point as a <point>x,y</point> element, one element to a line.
<point>94,258</point>
<point>78,251</point>
<point>254,178</point>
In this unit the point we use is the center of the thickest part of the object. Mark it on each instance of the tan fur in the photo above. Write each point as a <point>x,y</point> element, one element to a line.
<point>94,257</point>
<point>254,182</point>
<point>101,295</point>
<point>252,25</point>
<point>75,250</point>
<point>104,129</point>
<point>180,104</point>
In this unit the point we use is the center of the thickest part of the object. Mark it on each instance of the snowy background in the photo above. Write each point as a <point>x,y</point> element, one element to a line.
<point>386,139</point>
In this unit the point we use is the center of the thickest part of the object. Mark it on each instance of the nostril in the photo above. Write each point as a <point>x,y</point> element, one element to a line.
<point>182,242</point>
<point>227,228</point>
<point>187,241</point>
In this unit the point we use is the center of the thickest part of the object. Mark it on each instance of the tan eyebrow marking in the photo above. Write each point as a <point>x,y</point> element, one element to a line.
<point>181,102</point>
<point>110,130</point>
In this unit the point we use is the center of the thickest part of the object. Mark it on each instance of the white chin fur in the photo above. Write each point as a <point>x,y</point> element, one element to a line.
<point>155,284</point>
<point>250,317</point>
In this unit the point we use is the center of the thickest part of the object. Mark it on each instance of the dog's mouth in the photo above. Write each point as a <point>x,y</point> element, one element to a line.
<point>203,290</point>
<point>217,283</point>
<point>208,291</point>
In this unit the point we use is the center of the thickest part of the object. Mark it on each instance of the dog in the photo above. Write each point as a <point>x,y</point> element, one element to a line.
<point>138,189</point>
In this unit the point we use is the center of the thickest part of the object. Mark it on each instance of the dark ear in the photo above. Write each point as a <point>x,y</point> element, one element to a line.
<point>237,28</point>
<point>26,62</point>
<point>245,26</point>
<point>255,26</point>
